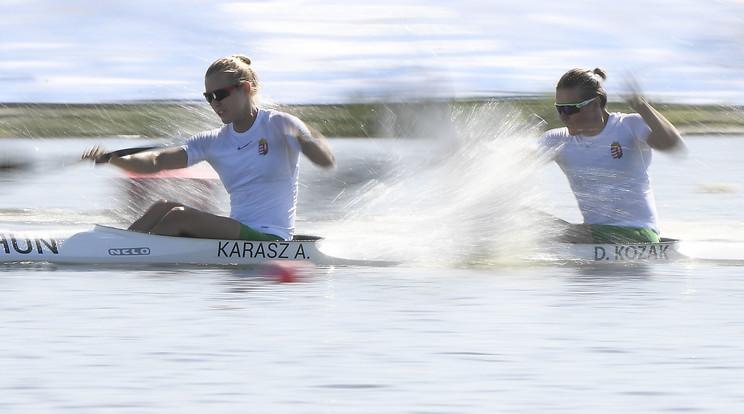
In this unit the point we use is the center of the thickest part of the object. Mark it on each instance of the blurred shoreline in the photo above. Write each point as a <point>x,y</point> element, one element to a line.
<point>157,119</point>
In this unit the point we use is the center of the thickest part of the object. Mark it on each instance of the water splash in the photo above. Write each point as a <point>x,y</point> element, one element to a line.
<point>461,196</point>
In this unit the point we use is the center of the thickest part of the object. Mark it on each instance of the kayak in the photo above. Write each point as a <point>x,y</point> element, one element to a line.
<point>667,250</point>
<point>110,245</point>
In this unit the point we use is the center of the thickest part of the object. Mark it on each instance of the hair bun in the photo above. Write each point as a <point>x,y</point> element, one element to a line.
<point>243,58</point>
<point>600,73</point>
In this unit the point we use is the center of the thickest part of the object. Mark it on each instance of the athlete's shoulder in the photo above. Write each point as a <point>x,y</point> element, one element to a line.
<point>209,134</point>
<point>286,123</point>
<point>625,119</point>
<point>633,123</point>
<point>276,116</point>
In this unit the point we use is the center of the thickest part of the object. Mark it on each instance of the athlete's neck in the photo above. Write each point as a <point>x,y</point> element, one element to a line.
<point>596,127</point>
<point>246,123</point>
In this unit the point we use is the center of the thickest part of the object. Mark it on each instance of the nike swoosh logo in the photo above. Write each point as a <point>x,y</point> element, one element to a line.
<point>243,146</point>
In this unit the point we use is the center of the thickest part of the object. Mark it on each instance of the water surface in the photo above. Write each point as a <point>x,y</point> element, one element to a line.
<point>460,326</point>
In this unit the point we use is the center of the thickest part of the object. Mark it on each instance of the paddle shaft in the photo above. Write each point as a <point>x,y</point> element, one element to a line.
<point>125,151</point>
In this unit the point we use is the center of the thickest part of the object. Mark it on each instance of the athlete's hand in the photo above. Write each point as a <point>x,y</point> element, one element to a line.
<point>632,93</point>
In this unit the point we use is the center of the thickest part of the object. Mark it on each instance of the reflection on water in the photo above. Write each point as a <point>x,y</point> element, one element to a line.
<point>588,278</point>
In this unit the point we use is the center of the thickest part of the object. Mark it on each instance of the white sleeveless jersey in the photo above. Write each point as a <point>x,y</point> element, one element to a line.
<point>608,172</point>
<point>259,169</point>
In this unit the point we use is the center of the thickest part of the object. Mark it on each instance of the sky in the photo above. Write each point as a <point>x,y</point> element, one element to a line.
<point>338,51</point>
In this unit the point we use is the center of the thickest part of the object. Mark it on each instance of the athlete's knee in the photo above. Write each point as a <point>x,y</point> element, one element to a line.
<point>178,220</point>
<point>175,213</point>
<point>165,205</point>
<point>161,207</point>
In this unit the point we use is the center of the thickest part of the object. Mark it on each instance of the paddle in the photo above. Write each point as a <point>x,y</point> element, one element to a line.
<point>125,151</point>
<point>14,162</point>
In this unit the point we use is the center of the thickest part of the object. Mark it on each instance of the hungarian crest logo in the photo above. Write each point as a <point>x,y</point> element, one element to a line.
<point>263,147</point>
<point>616,150</point>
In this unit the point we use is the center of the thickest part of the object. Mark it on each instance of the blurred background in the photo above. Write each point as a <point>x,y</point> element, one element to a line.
<point>333,51</point>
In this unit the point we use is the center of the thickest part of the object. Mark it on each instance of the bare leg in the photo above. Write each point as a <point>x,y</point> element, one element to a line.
<point>174,219</point>
<point>190,222</point>
<point>153,215</point>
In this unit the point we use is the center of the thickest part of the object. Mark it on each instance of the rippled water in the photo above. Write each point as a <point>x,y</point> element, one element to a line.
<point>394,340</point>
<point>459,327</point>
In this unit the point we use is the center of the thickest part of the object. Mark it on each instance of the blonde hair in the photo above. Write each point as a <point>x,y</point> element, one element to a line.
<point>239,66</point>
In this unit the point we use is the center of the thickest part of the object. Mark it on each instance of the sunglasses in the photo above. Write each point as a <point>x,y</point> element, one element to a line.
<point>220,94</point>
<point>570,109</point>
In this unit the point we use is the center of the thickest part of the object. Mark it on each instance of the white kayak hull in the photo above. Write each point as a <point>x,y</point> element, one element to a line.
<point>108,245</point>
<point>667,250</point>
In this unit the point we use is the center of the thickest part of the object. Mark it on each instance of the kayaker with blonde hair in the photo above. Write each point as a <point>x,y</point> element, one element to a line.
<point>256,154</point>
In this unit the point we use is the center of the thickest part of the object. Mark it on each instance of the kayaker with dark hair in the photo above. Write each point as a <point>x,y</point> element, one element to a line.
<point>606,157</point>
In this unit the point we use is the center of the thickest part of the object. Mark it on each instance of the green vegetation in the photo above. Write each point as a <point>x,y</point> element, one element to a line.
<point>375,119</point>
<point>689,119</point>
<point>87,120</point>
